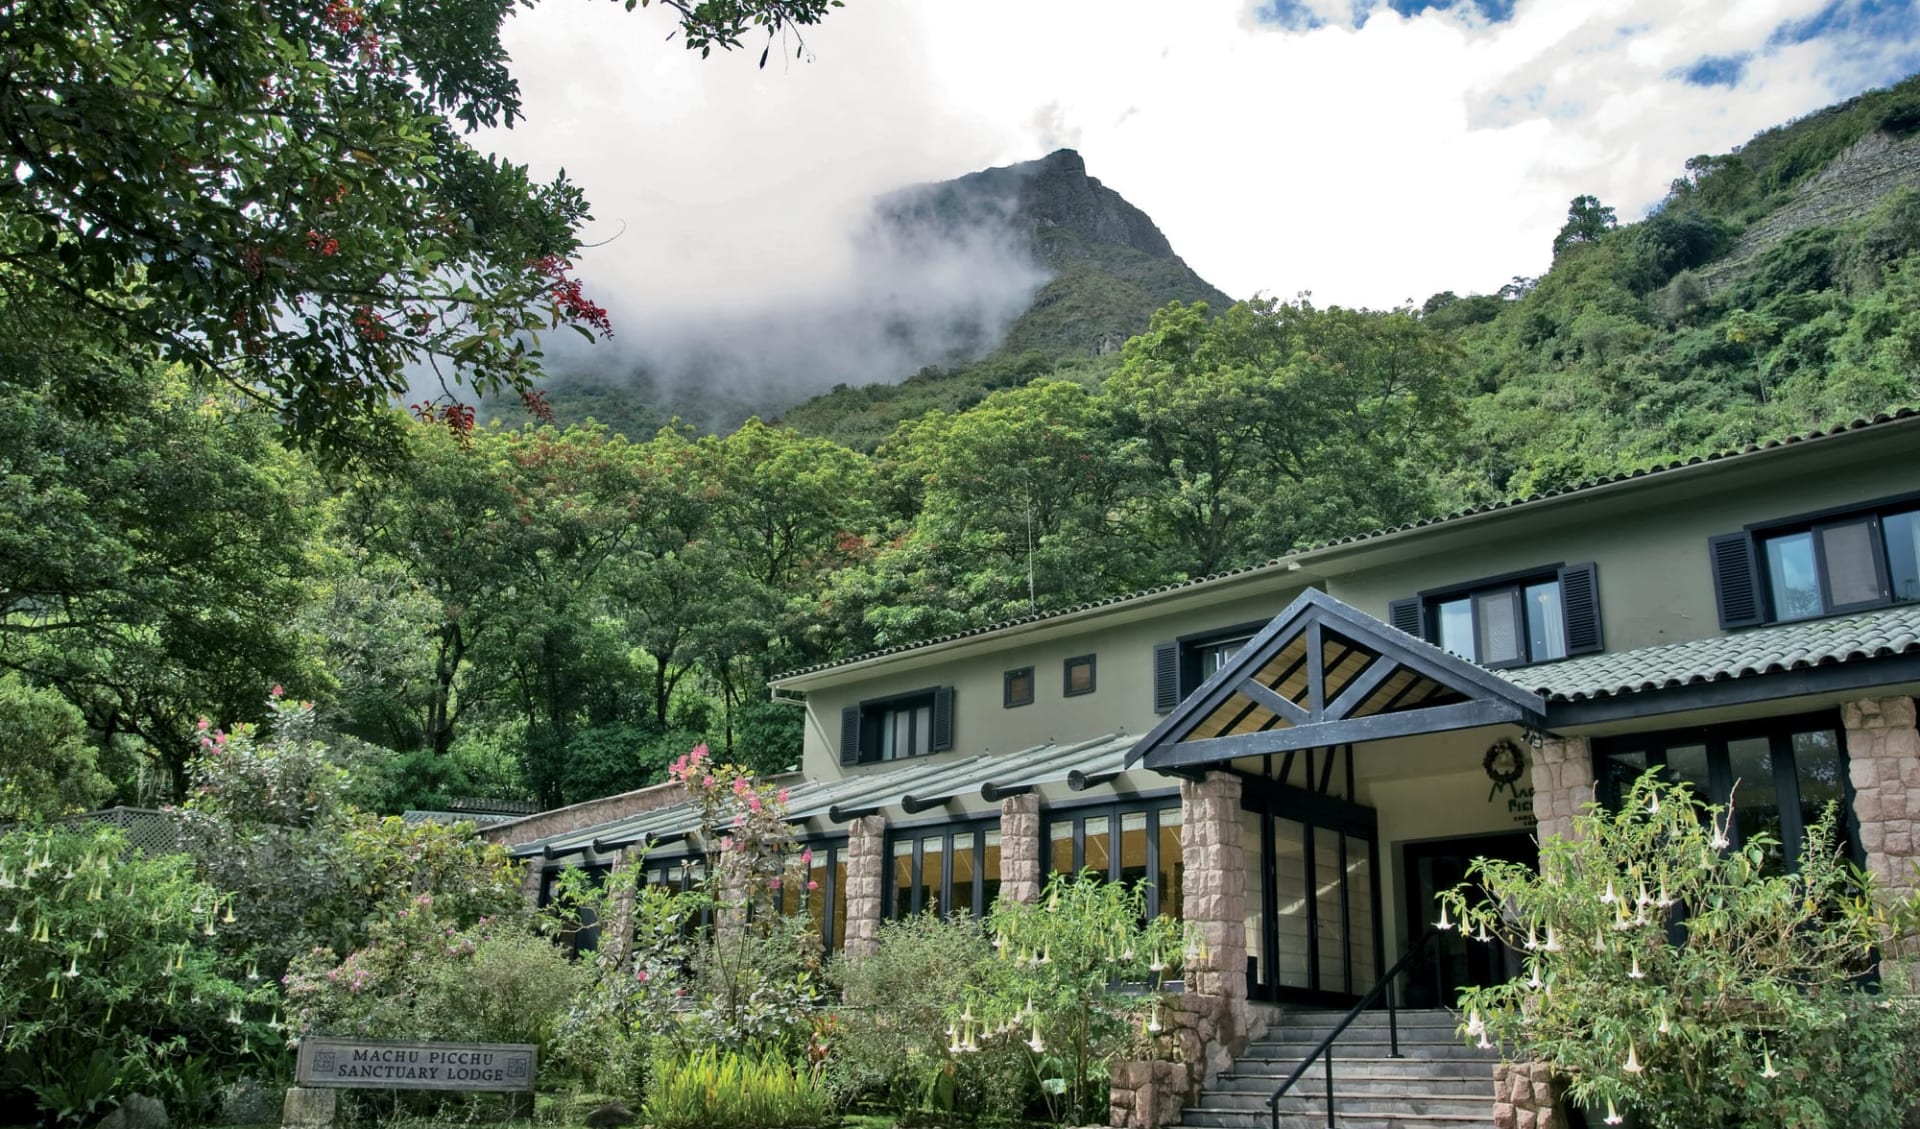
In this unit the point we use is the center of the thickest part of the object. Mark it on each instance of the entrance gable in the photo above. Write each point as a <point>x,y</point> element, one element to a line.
<point>1323,673</point>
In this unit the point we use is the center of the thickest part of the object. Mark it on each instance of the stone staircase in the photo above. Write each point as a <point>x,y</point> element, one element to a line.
<point>1441,1082</point>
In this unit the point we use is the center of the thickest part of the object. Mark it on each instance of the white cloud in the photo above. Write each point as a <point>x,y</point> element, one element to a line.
<point>1369,165</point>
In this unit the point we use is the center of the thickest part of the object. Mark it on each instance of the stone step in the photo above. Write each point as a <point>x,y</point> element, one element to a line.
<point>1391,1071</point>
<point>1359,1101</point>
<point>1207,1117</point>
<point>1480,1083</point>
<point>1289,1051</point>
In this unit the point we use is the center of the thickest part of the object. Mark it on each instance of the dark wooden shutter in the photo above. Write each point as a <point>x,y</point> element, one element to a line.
<point>1407,616</point>
<point>1580,607</point>
<point>1736,580</point>
<point>1166,677</point>
<point>942,719</point>
<point>850,735</point>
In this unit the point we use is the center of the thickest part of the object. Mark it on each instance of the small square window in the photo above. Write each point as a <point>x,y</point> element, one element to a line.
<point>1079,678</point>
<point>1019,687</point>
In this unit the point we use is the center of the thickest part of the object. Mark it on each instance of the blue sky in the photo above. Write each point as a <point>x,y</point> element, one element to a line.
<point>1368,151</point>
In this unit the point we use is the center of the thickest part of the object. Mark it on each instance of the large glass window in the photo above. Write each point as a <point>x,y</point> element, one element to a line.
<point>822,895</point>
<point>945,870</point>
<point>1136,842</point>
<point>1861,560</point>
<point>1511,624</point>
<point>894,728</point>
<point>1778,775</point>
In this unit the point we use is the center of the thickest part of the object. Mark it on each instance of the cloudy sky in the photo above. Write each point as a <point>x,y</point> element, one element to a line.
<point>1368,152</point>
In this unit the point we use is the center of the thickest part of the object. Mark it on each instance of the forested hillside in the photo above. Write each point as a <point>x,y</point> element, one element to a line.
<point>554,612</point>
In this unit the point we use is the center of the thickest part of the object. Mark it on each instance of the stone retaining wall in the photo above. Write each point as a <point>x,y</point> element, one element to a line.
<point>1527,1096</point>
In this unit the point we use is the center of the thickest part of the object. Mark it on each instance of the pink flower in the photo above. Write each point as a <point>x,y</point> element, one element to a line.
<point>773,883</point>
<point>204,725</point>
<point>706,782</point>
<point>726,844</point>
<point>783,797</point>
<point>699,752</point>
<point>806,856</point>
<point>739,785</point>
<point>278,691</point>
<point>753,802</point>
<point>643,976</point>
<point>812,885</point>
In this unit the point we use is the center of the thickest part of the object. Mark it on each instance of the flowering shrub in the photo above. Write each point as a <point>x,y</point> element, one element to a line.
<point>422,975</point>
<point>1053,987</point>
<point>1673,977</point>
<point>268,820</point>
<point>665,987</point>
<point>889,1042</point>
<point>110,969</point>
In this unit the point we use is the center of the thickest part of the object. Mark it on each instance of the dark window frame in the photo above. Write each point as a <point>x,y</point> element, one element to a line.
<point>1066,676</point>
<point>862,722</point>
<point>1184,653</point>
<point>1426,605</point>
<point>1007,700</point>
<point>1816,522</point>
<point>975,829</point>
<point>1779,733</point>
<point>834,847</point>
<point>1078,814</point>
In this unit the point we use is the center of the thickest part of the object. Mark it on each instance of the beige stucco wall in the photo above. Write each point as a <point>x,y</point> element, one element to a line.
<point>1122,701</point>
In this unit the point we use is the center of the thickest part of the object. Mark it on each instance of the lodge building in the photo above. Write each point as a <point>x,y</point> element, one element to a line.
<point>1299,755</point>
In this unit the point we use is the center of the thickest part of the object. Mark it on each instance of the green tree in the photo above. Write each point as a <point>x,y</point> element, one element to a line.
<point>275,194</point>
<point>152,551</point>
<point>1587,220</point>
<point>48,765</point>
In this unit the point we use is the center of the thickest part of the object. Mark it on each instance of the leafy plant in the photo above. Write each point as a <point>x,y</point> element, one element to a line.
<point>889,1041</point>
<point>1689,982</point>
<point>110,965</point>
<point>722,1089</point>
<point>1056,987</point>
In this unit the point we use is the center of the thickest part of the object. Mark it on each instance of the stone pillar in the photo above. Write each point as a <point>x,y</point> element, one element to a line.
<point>1526,1096</point>
<point>1021,872</point>
<point>532,879</point>
<point>1562,784</point>
<point>1883,763</point>
<point>616,933</point>
<point>1215,899</point>
<point>866,858</point>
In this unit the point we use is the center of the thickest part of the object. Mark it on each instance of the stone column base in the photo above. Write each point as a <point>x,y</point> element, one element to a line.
<point>308,1107</point>
<point>1526,1096</point>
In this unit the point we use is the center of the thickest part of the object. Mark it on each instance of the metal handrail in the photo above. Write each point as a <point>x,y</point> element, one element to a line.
<point>1385,985</point>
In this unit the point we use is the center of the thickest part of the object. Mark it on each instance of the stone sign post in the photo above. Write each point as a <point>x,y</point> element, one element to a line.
<point>328,1064</point>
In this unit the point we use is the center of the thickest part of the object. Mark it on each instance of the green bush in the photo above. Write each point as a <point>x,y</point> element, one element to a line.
<point>1677,978</point>
<point>422,976</point>
<point>110,971</point>
<point>716,1089</point>
<point>890,1044</point>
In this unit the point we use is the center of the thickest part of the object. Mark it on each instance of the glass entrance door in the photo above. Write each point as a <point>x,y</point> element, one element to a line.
<point>1319,923</point>
<point>1431,869</point>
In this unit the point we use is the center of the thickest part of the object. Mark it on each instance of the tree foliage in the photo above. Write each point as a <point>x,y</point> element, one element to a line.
<point>1689,982</point>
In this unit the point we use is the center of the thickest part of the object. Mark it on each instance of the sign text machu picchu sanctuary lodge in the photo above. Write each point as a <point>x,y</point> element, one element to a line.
<point>374,1065</point>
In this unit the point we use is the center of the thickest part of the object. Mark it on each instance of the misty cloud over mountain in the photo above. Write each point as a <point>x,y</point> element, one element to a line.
<point>930,275</point>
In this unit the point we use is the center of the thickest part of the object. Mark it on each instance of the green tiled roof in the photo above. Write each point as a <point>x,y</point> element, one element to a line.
<point>1766,650</point>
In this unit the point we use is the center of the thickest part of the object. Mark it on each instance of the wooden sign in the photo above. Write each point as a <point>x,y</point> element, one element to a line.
<point>374,1065</point>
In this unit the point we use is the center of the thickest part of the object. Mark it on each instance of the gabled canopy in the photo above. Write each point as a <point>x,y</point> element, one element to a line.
<point>1322,674</point>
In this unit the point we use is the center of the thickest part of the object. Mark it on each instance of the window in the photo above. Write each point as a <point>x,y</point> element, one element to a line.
<point>1517,620</point>
<point>1181,666</point>
<point>1780,774</point>
<point>1079,676</point>
<point>906,725</point>
<point>1818,564</point>
<point>1018,689</point>
<point>823,896</point>
<point>1137,842</point>
<point>947,870</point>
